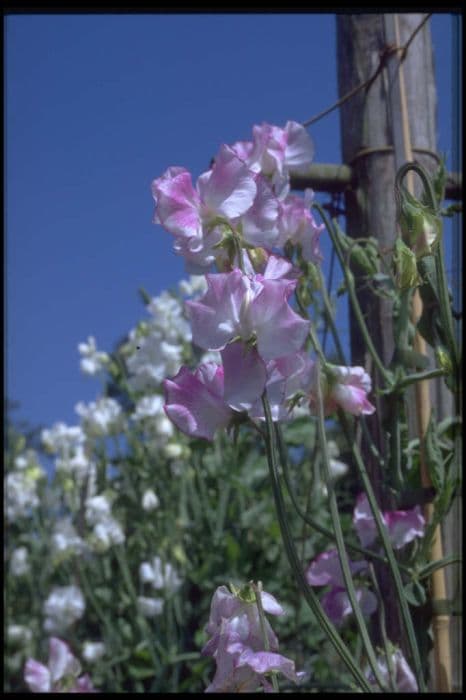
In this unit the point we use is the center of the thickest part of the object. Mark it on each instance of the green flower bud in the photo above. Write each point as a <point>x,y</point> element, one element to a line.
<point>443,359</point>
<point>405,262</point>
<point>420,227</point>
<point>258,258</point>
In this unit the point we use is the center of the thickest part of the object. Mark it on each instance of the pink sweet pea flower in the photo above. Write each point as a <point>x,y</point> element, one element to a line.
<point>259,225</point>
<point>405,679</point>
<point>60,675</point>
<point>277,151</point>
<point>346,387</point>
<point>337,605</point>
<point>237,644</point>
<point>236,305</point>
<point>286,376</point>
<point>194,401</point>
<point>298,225</point>
<point>194,216</point>
<point>326,569</point>
<point>403,525</point>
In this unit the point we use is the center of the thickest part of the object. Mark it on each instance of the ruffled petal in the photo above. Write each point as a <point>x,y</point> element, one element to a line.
<point>229,189</point>
<point>37,677</point>
<point>245,376</point>
<point>193,407</point>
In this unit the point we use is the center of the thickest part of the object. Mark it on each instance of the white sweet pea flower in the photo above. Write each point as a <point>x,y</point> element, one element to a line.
<point>62,439</point>
<point>20,495</point>
<point>150,500</point>
<point>102,417</point>
<point>107,533</point>
<point>63,607</point>
<point>159,575</point>
<point>19,562</point>
<point>19,634</point>
<point>92,362</point>
<point>150,607</point>
<point>148,407</point>
<point>65,538</point>
<point>98,508</point>
<point>93,651</point>
<point>196,285</point>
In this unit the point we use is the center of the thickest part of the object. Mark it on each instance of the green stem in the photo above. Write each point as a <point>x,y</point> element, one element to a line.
<point>368,553</point>
<point>349,279</point>
<point>140,619</point>
<point>392,563</point>
<point>342,555</point>
<point>295,564</point>
<point>257,593</point>
<point>383,630</point>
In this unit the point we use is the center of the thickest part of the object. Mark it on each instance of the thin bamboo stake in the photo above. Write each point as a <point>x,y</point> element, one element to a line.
<point>403,153</point>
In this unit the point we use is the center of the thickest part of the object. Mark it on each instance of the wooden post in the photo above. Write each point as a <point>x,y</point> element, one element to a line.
<point>370,146</point>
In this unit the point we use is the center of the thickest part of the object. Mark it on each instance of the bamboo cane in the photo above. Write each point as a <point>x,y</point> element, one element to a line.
<point>440,620</point>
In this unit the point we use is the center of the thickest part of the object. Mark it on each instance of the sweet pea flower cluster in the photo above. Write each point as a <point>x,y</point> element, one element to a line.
<point>61,675</point>
<point>244,649</point>
<point>241,216</point>
<point>403,527</point>
<point>244,194</point>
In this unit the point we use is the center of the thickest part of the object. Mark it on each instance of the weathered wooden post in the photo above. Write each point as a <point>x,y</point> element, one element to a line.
<point>372,145</point>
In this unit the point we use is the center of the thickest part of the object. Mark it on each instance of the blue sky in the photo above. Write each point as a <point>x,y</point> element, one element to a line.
<point>96,107</point>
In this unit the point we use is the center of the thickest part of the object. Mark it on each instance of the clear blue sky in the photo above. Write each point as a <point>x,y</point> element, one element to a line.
<point>96,106</point>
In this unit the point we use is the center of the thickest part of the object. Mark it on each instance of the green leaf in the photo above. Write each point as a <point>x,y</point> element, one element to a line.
<point>140,673</point>
<point>415,593</point>
<point>433,455</point>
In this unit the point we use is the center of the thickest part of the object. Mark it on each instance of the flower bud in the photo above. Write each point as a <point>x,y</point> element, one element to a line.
<point>419,226</point>
<point>404,259</point>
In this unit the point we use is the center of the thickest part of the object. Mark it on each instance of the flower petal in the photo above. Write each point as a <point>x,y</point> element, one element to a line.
<point>245,376</point>
<point>193,407</point>
<point>229,189</point>
<point>37,677</point>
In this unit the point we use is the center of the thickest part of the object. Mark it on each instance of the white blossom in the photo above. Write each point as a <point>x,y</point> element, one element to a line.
<point>196,286</point>
<point>159,575</point>
<point>62,439</point>
<point>150,500</point>
<point>155,360</point>
<point>63,607</point>
<point>92,362</point>
<point>20,496</point>
<point>19,634</point>
<point>65,538</point>
<point>101,417</point>
<point>98,508</point>
<point>148,407</point>
<point>19,562</point>
<point>93,651</point>
<point>77,464</point>
<point>107,533</point>
<point>150,607</point>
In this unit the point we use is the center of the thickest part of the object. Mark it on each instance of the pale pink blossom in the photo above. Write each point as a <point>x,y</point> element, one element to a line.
<point>201,402</point>
<point>194,215</point>
<point>253,309</point>
<point>194,401</point>
<point>405,680</point>
<point>326,569</point>
<point>298,225</point>
<point>344,387</point>
<point>275,152</point>
<point>62,673</point>
<point>403,525</point>
<point>237,643</point>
